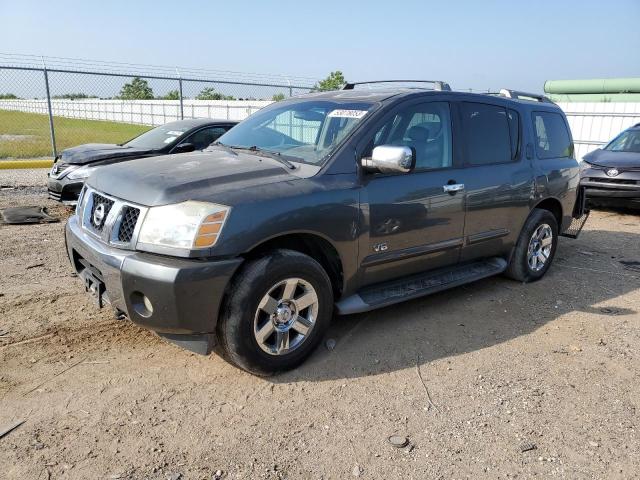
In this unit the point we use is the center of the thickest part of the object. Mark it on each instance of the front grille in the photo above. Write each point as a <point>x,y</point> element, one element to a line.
<point>619,181</point>
<point>97,201</point>
<point>116,221</point>
<point>128,223</point>
<point>55,195</point>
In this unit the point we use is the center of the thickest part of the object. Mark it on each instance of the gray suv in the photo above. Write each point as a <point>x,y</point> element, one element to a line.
<point>329,203</point>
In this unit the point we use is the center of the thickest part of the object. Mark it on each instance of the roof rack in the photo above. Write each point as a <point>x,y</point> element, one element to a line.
<point>437,84</point>
<point>524,95</point>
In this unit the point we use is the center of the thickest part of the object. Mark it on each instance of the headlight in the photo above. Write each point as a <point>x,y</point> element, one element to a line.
<point>79,173</point>
<point>189,225</point>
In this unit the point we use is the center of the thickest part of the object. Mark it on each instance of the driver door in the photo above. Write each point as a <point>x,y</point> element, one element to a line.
<point>414,224</point>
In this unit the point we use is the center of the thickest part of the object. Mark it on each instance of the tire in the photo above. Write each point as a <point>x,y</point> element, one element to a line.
<point>520,267</point>
<point>247,315</point>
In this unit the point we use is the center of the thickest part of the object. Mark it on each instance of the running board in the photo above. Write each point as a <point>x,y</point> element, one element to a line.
<point>415,286</point>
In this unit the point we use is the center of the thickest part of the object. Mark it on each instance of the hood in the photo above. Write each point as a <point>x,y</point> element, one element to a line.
<point>610,159</point>
<point>94,152</point>
<point>202,176</point>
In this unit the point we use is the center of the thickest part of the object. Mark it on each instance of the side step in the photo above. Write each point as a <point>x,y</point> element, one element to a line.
<point>395,291</point>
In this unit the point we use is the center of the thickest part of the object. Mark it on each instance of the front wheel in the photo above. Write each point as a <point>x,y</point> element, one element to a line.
<point>536,247</point>
<point>277,311</point>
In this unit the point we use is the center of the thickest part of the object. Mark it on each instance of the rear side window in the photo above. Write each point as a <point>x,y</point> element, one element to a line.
<point>487,133</point>
<point>552,136</point>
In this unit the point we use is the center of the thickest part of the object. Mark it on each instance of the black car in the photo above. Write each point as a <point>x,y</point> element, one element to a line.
<point>611,175</point>
<point>331,202</point>
<point>74,165</point>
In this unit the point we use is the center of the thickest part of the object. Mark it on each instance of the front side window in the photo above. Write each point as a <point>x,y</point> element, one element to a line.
<point>487,133</point>
<point>552,136</point>
<point>628,141</point>
<point>426,128</point>
<point>307,131</point>
<point>205,137</point>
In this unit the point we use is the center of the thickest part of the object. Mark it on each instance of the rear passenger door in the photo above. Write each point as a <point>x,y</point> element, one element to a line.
<point>498,178</point>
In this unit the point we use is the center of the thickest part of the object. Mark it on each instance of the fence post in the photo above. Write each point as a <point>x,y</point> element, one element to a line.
<point>180,92</point>
<point>51,129</point>
<point>290,89</point>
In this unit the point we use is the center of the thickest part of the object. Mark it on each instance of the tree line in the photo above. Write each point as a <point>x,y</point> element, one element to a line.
<point>139,89</point>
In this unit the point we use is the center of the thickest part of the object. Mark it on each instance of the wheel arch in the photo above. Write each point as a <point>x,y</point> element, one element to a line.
<point>552,205</point>
<point>309,243</point>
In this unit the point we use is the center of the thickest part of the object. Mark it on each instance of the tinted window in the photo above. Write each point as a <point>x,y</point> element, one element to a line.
<point>486,132</point>
<point>426,128</point>
<point>552,136</point>
<point>205,137</point>
<point>514,132</point>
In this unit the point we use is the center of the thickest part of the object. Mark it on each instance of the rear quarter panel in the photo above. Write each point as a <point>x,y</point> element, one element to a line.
<point>556,178</point>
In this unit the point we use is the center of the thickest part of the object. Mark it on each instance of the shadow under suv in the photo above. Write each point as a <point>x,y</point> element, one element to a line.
<point>333,202</point>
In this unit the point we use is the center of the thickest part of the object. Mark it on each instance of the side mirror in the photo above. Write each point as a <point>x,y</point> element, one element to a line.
<point>390,159</point>
<point>184,148</point>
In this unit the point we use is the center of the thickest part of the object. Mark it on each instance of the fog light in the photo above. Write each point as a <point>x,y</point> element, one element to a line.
<point>141,304</point>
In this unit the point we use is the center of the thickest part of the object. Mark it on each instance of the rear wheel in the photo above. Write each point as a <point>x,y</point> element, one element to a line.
<point>276,314</point>
<point>536,247</point>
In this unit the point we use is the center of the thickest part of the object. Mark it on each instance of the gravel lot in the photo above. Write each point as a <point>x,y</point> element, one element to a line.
<point>491,380</point>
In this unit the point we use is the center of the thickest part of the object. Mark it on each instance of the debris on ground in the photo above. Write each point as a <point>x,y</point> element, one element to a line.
<point>398,441</point>
<point>31,214</point>
<point>527,447</point>
<point>10,428</point>
<point>633,265</point>
<point>330,344</point>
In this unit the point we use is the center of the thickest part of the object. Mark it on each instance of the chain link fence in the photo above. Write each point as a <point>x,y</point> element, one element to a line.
<point>60,103</point>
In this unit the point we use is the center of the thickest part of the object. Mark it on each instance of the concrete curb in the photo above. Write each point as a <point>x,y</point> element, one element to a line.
<point>15,164</point>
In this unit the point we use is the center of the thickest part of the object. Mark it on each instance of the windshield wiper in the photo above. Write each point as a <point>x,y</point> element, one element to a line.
<point>227,148</point>
<point>275,155</point>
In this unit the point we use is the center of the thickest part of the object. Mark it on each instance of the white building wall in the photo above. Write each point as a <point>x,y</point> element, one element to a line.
<point>592,124</point>
<point>595,124</point>
<point>145,112</point>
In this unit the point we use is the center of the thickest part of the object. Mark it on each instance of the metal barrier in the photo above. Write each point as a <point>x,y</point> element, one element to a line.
<point>49,104</point>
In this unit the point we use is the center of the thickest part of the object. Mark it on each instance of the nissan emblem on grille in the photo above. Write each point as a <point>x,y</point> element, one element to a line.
<point>612,172</point>
<point>98,215</point>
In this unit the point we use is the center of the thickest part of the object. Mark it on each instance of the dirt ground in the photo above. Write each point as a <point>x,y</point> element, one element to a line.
<point>491,380</point>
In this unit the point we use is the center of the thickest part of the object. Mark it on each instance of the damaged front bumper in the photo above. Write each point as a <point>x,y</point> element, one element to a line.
<point>177,298</point>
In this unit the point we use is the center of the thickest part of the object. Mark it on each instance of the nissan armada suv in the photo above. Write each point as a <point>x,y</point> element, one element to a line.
<point>333,202</point>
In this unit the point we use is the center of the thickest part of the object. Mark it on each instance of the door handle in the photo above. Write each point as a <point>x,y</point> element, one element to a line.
<point>453,188</point>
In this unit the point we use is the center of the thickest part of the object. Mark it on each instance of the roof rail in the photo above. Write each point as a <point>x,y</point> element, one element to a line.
<point>524,95</point>
<point>437,84</point>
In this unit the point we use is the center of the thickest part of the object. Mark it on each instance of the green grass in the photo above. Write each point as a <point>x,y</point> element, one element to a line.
<point>69,132</point>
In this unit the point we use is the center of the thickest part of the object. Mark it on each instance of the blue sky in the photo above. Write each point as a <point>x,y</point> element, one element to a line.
<point>471,44</point>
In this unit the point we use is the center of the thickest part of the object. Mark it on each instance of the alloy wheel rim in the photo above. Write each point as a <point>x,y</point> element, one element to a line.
<point>285,316</point>
<point>539,249</point>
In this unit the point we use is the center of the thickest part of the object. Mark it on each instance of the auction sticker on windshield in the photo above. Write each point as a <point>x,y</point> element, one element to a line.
<point>347,113</point>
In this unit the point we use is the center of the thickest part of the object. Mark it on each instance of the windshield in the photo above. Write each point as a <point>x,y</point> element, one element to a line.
<point>628,141</point>
<point>158,137</point>
<point>304,131</point>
